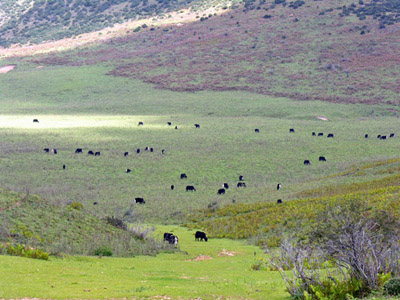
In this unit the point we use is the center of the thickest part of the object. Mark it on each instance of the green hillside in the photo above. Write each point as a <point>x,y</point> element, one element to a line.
<point>42,20</point>
<point>32,221</point>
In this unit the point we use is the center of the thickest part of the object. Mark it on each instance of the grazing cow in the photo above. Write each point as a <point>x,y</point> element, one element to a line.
<point>128,170</point>
<point>291,130</point>
<point>47,150</point>
<point>63,167</point>
<point>307,162</point>
<point>321,134</point>
<point>140,200</point>
<point>200,236</point>
<point>241,184</point>
<point>366,135</point>
<point>379,136</point>
<point>173,240</point>
<point>330,135</point>
<point>126,154</point>
<point>146,149</point>
<point>95,203</point>
<point>279,186</point>
<point>151,149</point>
<point>79,150</point>
<point>241,178</point>
<point>183,176</point>
<point>138,151</point>
<point>169,123</point>
<point>279,201</point>
<point>97,153</point>
<point>54,151</point>
<point>225,185</point>
<point>256,130</point>
<point>163,151</point>
<point>90,152</point>
<point>140,123</point>
<point>322,158</point>
<point>172,187</point>
<point>221,192</point>
<point>35,121</point>
<point>197,125</point>
<point>176,127</point>
<point>190,188</point>
<point>391,135</point>
<point>383,137</point>
<point>313,134</point>
<point>166,236</point>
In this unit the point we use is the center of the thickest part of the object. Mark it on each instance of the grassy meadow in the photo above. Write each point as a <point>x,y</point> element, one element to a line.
<point>82,107</point>
<point>218,269</point>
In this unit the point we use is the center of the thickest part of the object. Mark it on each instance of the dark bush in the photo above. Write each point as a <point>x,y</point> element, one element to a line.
<point>116,223</point>
<point>103,251</point>
<point>392,287</point>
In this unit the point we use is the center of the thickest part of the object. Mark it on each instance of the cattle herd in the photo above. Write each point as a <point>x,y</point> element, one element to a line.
<point>200,236</point>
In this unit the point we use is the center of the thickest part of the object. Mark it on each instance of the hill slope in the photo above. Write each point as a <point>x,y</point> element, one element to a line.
<point>33,221</point>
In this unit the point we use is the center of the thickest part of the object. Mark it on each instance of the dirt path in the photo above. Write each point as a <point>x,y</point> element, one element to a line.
<point>11,207</point>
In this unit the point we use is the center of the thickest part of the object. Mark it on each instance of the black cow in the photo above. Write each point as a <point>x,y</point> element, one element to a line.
<point>366,135</point>
<point>140,200</point>
<point>241,184</point>
<point>307,162</point>
<point>241,178</point>
<point>225,185</point>
<point>151,150</point>
<point>330,135</point>
<point>140,123</point>
<point>126,154</point>
<point>47,150</point>
<point>183,176</point>
<point>391,135</point>
<point>54,151</point>
<point>138,151</point>
<point>322,158</point>
<point>172,187</point>
<point>166,236</point>
<point>221,192</point>
<point>291,130</point>
<point>190,188</point>
<point>163,151</point>
<point>79,150</point>
<point>63,167</point>
<point>383,137</point>
<point>169,123</point>
<point>321,134</point>
<point>176,127</point>
<point>128,170</point>
<point>279,201</point>
<point>278,186</point>
<point>379,136</point>
<point>173,240</point>
<point>97,153</point>
<point>197,125</point>
<point>35,121</point>
<point>257,130</point>
<point>146,149</point>
<point>90,152</point>
<point>200,236</point>
<point>95,203</point>
<point>313,134</point>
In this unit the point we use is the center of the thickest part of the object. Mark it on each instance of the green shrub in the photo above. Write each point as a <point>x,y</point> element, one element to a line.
<point>103,251</point>
<point>332,289</point>
<point>76,205</point>
<point>392,287</point>
<point>24,251</point>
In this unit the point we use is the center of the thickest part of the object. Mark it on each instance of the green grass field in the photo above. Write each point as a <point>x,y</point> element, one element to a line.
<point>81,107</point>
<point>177,275</point>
